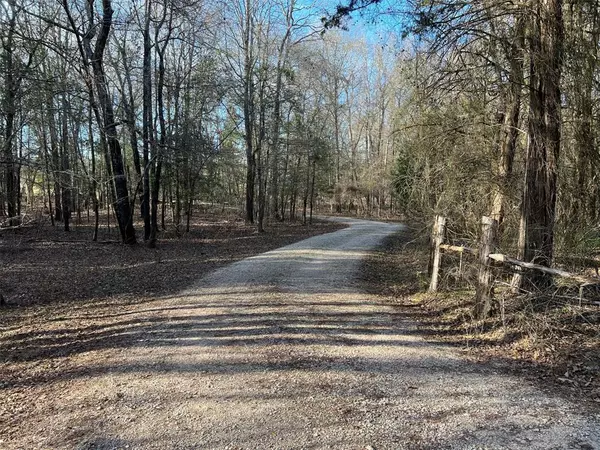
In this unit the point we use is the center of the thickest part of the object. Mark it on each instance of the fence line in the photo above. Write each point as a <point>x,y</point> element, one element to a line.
<point>488,259</point>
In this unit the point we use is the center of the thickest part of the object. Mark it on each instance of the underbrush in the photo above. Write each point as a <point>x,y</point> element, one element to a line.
<point>548,335</point>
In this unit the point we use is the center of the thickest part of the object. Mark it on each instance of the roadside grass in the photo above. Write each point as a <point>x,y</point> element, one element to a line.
<point>548,337</point>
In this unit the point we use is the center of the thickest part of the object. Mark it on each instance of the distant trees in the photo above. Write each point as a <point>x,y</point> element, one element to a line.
<point>144,108</point>
<point>152,105</point>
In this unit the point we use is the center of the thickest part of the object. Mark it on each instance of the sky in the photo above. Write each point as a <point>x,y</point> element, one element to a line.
<point>378,25</point>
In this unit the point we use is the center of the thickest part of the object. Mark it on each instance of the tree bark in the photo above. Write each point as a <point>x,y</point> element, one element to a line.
<point>65,176</point>
<point>10,94</point>
<point>94,186</point>
<point>509,128</point>
<point>122,206</point>
<point>146,122</point>
<point>249,115</point>
<point>160,50</point>
<point>539,198</point>
<point>485,282</point>
<point>281,60</point>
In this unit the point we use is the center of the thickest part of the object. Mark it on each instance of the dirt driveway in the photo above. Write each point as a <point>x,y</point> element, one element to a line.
<point>283,350</point>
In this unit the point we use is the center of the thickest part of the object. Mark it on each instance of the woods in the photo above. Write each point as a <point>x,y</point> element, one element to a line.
<point>299,224</point>
<point>496,122</point>
<point>142,110</point>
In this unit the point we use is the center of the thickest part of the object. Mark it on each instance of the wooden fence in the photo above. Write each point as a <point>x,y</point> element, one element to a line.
<point>488,260</point>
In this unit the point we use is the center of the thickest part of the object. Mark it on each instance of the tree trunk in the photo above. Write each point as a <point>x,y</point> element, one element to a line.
<point>262,159</point>
<point>10,88</point>
<point>485,282</point>
<point>122,206</point>
<point>583,74</point>
<point>94,187</point>
<point>261,192</point>
<point>160,49</point>
<point>306,191</point>
<point>539,198</point>
<point>336,124</point>
<point>55,160</point>
<point>65,176</point>
<point>249,114</point>
<point>509,127</point>
<point>312,190</point>
<point>281,60</point>
<point>146,122</point>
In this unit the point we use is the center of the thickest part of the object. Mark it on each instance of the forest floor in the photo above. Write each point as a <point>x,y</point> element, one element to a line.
<point>42,265</point>
<point>282,350</point>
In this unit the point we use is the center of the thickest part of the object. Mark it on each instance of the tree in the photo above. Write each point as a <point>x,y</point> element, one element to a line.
<point>18,56</point>
<point>92,55</point>
<point>538,210</point>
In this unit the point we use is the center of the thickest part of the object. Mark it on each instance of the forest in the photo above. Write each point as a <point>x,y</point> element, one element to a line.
<point>144,109</point>
<point>139,112</point>
<point>158,158</point>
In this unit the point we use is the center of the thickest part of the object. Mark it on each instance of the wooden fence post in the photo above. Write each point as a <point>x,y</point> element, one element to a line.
<point>485,287</point>
<point>438,235</point>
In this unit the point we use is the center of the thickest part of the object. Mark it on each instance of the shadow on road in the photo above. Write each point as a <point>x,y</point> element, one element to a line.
<point>211,325</point>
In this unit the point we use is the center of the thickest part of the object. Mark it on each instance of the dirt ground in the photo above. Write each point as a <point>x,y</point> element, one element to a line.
<point>557,347</point>
<point>283,350</point>
<point>41,265</point>
<point>47,275</point>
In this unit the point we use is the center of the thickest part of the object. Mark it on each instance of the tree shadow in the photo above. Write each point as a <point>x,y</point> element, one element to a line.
<point>232,321</point>
<point>48,267</point>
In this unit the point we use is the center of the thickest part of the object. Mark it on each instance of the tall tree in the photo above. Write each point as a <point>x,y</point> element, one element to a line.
<point>538,210</point>
<point>108,122</point>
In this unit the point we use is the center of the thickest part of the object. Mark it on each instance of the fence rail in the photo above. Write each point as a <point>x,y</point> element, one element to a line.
<point>488,260</point>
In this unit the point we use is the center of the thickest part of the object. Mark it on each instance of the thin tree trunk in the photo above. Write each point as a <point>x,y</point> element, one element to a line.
<point>10,86</point>
<point>47,170</point>
<point>163,131</point>
<point>336,124</point>
<point>58,215</point>
<point>249,114</point>
<point>274,151</point>
<point>122,206</point>
<point>65,166</point>
<point>507,140</point>
<point>146,122</point>
<point>312,190</point>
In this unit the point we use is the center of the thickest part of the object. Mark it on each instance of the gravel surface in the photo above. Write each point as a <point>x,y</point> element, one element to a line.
<point>284,350</point>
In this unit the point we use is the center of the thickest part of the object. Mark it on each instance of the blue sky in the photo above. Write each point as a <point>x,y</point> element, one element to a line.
<point>379,24</point>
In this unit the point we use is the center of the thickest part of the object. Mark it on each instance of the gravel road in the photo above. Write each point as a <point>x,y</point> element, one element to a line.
<point>284,350</point>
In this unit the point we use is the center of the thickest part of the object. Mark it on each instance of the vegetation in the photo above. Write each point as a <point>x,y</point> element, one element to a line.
<point>215,130</point>
<point>155,105</point>
<point>144,109</point>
